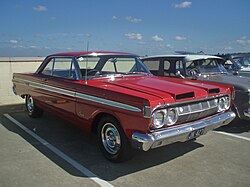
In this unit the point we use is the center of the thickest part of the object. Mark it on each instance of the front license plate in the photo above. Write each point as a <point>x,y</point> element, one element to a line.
<point>196,133</point>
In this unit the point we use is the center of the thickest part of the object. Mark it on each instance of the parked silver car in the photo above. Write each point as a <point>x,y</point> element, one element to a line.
<point>205,68</point>
<point>238,63</point>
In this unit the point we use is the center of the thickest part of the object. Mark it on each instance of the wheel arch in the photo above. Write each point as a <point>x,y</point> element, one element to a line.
<point>101,115</point>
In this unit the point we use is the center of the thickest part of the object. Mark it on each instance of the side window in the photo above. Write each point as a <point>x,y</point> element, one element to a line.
<point>60,67</point>
<point>229,65</point>
<point>209,63</point>
<point>191,64</point>
<point>168,70</point>
<point>48,68</point>
<point>166,65</point>
<point>153,65</point>
<point>228,62</point>
<point>179,66</point>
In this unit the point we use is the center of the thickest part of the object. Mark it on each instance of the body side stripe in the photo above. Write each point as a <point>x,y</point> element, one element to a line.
<point>78,95</point>
<point>107,102</point>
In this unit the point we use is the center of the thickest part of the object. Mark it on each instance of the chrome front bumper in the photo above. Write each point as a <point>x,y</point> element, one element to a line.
<point>179,133</point>
<point>247,113</point>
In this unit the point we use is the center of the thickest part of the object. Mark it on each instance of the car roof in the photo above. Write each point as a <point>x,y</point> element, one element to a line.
<point>91,53</point>
<point>240,55</point>
<point>188,57</point>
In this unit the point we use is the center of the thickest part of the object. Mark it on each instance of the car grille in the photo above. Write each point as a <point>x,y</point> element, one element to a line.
<point>196,110</point>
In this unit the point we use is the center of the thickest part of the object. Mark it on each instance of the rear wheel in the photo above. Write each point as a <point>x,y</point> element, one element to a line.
<point>113,141</point>
<point>33,110</point>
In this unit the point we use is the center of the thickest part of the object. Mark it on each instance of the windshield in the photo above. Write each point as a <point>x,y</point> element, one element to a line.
<point>105,65</point>
<point>242,61</point>
<point>206,66</point>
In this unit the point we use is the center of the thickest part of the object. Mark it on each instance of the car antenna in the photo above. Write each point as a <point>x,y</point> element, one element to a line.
<point>87,59</point>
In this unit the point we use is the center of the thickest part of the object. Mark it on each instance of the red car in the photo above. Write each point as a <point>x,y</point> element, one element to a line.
<point>114,95</point>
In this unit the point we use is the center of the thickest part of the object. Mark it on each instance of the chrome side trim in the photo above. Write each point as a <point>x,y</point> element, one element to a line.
<point>59,90</point>
<point>107,102</point>
<point>180,133</point>
<point>78,95</point>
<point>46,87</point>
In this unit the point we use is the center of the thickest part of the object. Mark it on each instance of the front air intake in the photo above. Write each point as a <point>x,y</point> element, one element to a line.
<point>214,91</point>
<point>185,96</point>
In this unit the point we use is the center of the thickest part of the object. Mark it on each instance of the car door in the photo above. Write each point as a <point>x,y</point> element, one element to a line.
<point>57,92</point>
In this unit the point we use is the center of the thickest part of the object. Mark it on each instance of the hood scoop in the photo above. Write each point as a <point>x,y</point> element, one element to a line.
<point>184,96</point>
<point>214,91</point>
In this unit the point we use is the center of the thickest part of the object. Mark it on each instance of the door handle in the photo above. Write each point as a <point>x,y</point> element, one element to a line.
<point>44,79</point>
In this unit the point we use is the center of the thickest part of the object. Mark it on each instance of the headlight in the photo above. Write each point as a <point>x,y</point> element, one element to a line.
<point>223,103</point>
<point>164,117</point>
<point>159,117</point>
<point>172,116</point>
<point>227,103</point>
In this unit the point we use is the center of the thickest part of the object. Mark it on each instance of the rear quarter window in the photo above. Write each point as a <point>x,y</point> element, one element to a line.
<point>152,64</point>
<point>60,67</point>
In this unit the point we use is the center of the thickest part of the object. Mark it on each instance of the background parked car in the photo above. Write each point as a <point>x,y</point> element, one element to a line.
<point>206,68</point>
<point>237,63</point>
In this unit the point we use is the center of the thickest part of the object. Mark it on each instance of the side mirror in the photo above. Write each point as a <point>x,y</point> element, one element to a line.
<point>178,74</point>
<point>196,76</point>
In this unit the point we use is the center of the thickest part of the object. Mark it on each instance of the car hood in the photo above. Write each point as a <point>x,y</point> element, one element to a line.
<point>239,82</point>
<point>165,88</point>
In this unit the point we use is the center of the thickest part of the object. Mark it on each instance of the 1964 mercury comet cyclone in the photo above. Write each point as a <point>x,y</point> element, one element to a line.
<point>114,95</point>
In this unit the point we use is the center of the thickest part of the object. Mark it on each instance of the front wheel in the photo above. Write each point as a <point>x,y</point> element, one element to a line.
<point>113,141</point>
<point>33,110</point>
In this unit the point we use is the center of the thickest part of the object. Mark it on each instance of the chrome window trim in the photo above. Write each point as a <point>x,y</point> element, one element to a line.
<point>78,95</point>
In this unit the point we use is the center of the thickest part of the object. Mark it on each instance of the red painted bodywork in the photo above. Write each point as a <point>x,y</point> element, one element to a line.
<point>137,91</point>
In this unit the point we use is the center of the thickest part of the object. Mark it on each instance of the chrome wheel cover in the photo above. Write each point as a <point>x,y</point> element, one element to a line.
<point>30,104</point>
<point>111,139</point>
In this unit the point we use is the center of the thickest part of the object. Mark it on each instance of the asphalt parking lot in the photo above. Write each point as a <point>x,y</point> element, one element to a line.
<point>51,152</point>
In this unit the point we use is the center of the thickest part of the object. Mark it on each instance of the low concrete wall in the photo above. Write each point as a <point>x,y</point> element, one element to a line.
<point>10,65</point>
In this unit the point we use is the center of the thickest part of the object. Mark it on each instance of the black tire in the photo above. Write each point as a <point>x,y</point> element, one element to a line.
<point>33,110</point>
<point>113,141</point>
<point>237,119</point>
